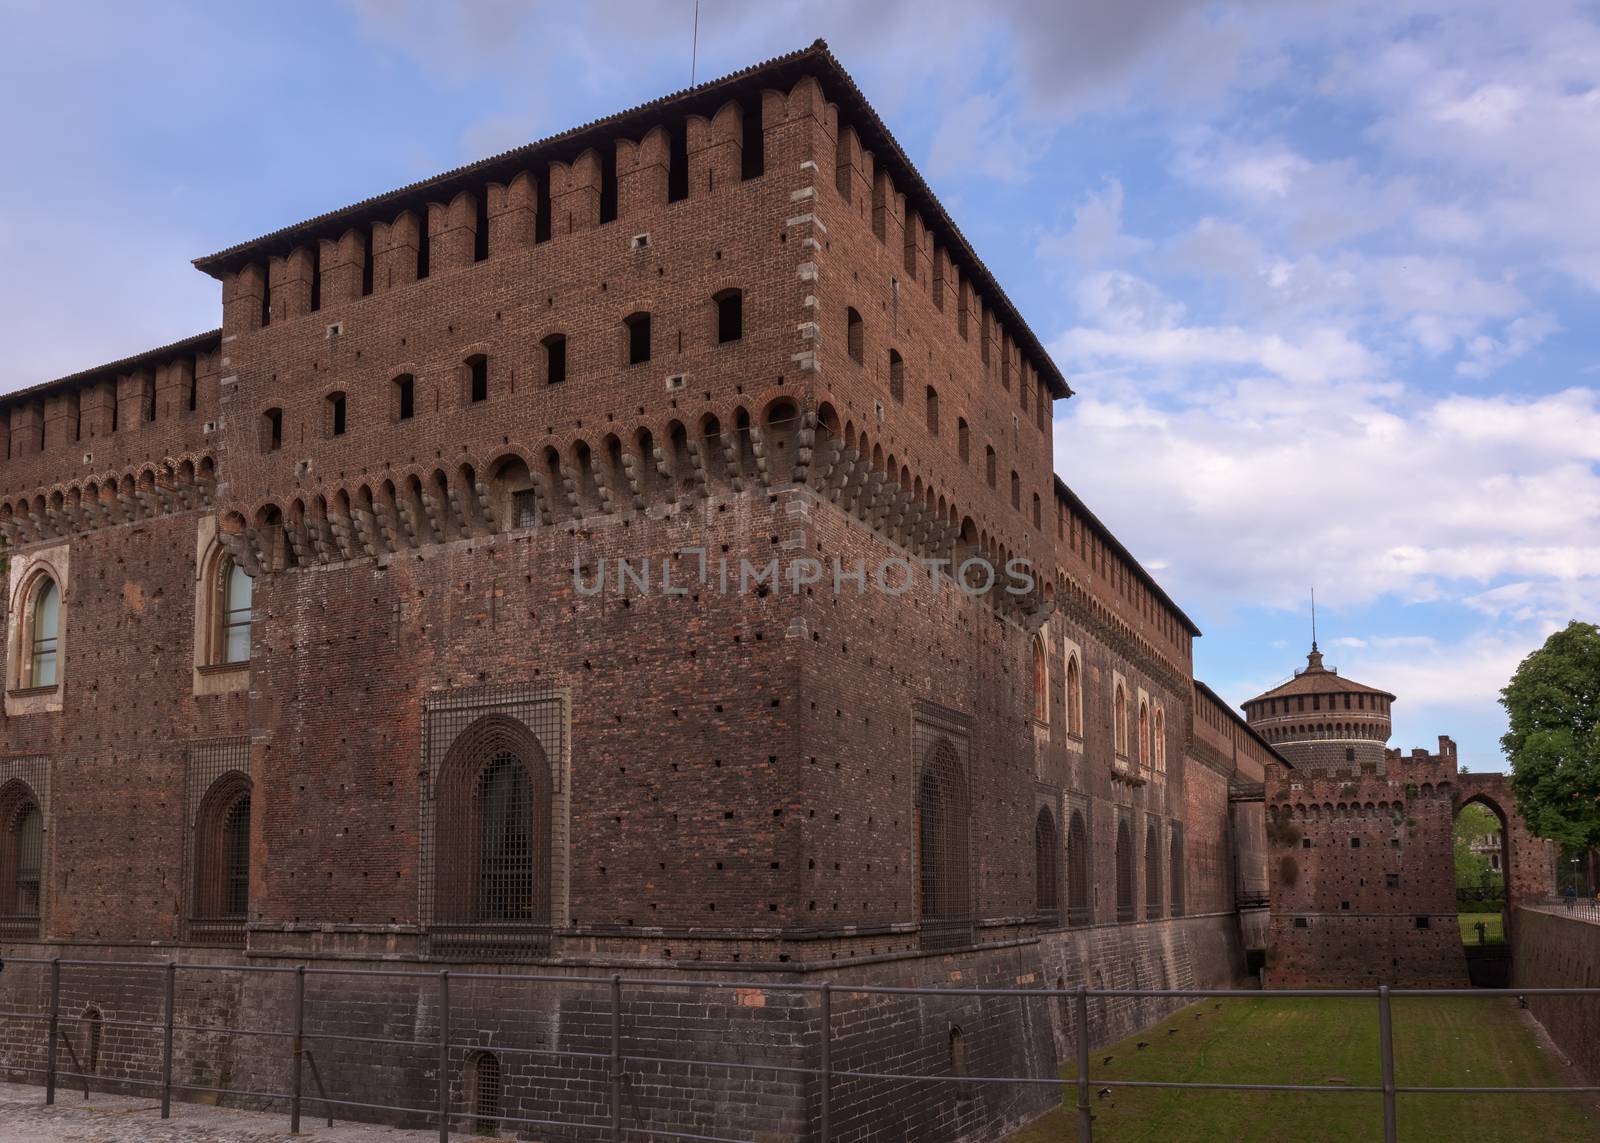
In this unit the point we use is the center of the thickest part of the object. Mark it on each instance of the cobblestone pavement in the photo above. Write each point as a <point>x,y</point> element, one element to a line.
<point>24,1118</point>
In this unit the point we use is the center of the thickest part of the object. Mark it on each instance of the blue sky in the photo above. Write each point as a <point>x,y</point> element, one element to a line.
<point>1323,276</point>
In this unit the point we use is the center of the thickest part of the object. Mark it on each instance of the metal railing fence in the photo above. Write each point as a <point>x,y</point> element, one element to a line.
<point>613,1063</point>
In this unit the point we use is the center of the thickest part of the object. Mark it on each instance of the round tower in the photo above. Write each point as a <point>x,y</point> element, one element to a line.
<point>1321,720</point>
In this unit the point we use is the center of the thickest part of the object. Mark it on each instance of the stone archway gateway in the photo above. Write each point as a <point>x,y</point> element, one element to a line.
<point>1525,859</point>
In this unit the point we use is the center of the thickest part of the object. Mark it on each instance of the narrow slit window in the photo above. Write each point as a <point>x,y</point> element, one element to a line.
<point>271,430</point>
<point>855,335</point>
<point>897,375</point>
<point>478,378</point>
<point>730,316</point>
<point>480,235</point>
<point>405,397</point>
<point>336,417</point>
<point>638,338</point>
<point>555,359</point>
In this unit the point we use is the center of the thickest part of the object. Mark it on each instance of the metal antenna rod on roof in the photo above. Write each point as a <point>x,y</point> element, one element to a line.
<point>1313,617</point>
<point>694,49</point>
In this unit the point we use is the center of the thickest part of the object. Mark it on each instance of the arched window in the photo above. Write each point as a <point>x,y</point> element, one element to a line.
<point>730,315</point>
<point>1144,734</point>
<point>1038,511</point>
<point>942,855</point>
<point>231,612</point>
<point>1175,860</point>
<point>1119,720</point>
<point>222,861</point>
<point>1125,905</point>
<point>933,411</point>
<point>897,375</point>
<point>21,861</point>
<point>491,878</point>
<point>963,439</point>
<point>855,335</point>
<point>1159,745</point>
<point>1046,867</point>
<point>1079,873</point>
<point>42,636</point>
<point>483,1072</point>
<point>1041,681</point>
<point>1074,696</point>
<point>1152,870</point>
<point>91,1027</point>
<point>638,327</point>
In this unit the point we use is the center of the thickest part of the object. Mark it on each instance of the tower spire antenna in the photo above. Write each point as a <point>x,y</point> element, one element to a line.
<point>1313,617</point>
<point>694,44</point>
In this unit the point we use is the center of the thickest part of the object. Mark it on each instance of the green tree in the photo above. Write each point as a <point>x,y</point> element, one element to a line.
<point>1554,742</point>
<point>1473,871</point>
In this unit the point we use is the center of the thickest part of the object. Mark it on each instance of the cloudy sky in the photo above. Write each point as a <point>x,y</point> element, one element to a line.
<point>1324,276</point>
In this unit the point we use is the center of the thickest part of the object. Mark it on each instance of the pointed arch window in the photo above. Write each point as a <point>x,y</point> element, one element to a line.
<point>233,612</point>
<point>1119,717</point>
<point>1074,696</point>
<point>1046,868</point>
<point>1041,681</point>
<point>1125,889</point>
<point>221,891</point>
<point>1152,870</point>
<point>944,889</point>
<point>21,861</point>
<point>44,635</point>
<point>1144,734</point>
<point>1079,872</point>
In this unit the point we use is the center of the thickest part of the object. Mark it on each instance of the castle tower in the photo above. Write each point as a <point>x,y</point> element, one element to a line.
<point>1319,719</point>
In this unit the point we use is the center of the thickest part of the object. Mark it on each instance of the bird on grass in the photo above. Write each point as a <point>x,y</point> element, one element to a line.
<point>1142,1045</point>
<point>1107,1061</point>
<point>1103,1092</point>
<point>1172,1031</point>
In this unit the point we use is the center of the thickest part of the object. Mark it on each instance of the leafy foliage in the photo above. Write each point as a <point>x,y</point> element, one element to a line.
<point>1553,745</point>
<point>1473,870</point>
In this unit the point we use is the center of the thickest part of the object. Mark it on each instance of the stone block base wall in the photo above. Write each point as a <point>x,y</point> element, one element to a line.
<point>552,1038</point>
<point>1549,950</point>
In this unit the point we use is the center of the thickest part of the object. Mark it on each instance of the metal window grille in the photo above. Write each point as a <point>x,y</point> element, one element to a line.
<point>24,824</point>
<point>943,827</point>
<point>493,821</point>
<point>1125,907</point>
<point>1175,861</point>
<point>92,1029</point>
<point>27,830</point>
<point>217,840</point>
<point>485,1094</point>
<point>1152,869</point>
<point>1080,878</point>
<point>525,507</point>
<point>1046,867</point>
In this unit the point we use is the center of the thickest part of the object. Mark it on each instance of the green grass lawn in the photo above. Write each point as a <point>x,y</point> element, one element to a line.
<point>1494,932</point>
<point>1456,1041</point>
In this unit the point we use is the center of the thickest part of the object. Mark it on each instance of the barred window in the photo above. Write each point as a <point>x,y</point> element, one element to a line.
<point>222,858</point>
<point>505,847</point>
<point>1080,909</point>
<point>1046,867</point>
<point>943,878</point>
<point>483,1072</point>
<point>1152,870</point>
<point>21,860</point>
<point>1175,859</point>
<point>1125,905</point>
<point>492,842</point>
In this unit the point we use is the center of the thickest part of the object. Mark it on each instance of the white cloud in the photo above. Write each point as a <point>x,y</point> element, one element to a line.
<point>1096,235</point>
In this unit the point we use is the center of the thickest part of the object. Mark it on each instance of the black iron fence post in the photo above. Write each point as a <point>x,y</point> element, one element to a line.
<point>297,1049</point>
<point>55,1026</point>
<point>827,1063</point>
<point>1085,1116</point>
<point>616,1057</point>
<point>167,1015</point>
<point>1386,1041</point>
<point>444,1056</point>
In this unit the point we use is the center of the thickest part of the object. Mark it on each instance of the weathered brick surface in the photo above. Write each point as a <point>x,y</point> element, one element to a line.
<point>738,772</point>
<point>1549,950</point>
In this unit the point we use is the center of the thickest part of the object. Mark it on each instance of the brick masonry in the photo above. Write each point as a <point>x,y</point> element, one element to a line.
<point>734,774</point>
<point>1549,950</point>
